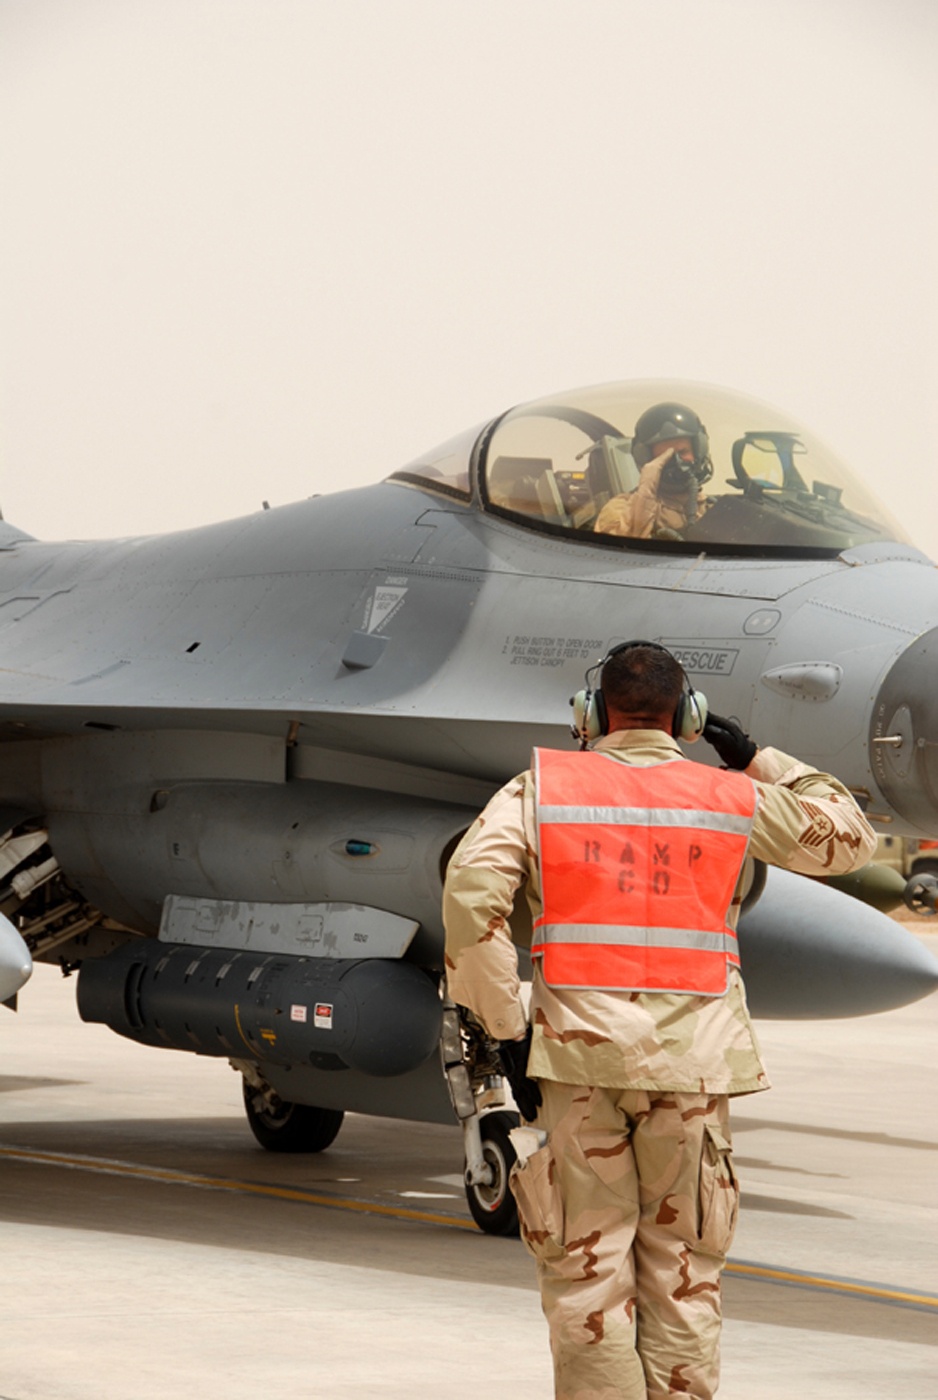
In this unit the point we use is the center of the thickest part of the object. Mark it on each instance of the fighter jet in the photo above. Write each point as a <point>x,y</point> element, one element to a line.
<point>238,758</point>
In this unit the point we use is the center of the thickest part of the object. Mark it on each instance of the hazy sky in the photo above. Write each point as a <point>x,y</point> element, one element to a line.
<point>263,248</point>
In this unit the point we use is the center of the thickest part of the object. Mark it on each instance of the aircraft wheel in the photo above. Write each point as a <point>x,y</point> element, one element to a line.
<point>493,1207</point>
<point>925,867</point>
<point>290,1127</point>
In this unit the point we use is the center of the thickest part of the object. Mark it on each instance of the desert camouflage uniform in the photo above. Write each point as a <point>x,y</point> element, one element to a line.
<point>630,1208</point>
<point>644,512</point>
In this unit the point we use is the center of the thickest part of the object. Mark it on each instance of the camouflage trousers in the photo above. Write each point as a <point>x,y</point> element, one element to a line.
<point>629,1211</point>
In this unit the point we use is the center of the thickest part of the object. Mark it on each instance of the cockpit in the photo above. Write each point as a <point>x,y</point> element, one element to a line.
<point>649,464</point>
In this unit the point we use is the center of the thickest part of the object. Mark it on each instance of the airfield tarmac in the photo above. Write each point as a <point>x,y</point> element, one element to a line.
<point>151,1249</point>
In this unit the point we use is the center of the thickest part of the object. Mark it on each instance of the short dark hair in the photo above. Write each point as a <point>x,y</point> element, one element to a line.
<point>642,681</point>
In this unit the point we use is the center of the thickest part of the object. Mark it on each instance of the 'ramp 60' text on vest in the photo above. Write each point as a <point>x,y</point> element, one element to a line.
<point>638,866</point>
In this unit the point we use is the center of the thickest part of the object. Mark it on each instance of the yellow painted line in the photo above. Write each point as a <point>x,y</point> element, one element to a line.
<point>877,1293</point>
<point>106,1167</point>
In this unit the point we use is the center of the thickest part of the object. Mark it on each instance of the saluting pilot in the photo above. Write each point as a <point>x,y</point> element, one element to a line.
<point>671,447</point>
<point>632,860</point>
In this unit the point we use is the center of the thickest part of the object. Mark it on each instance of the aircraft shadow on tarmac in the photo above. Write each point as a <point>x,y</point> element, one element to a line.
<point>742,1124</point>
<point>246,1220</point>
<point>53,1197</point>
<point>779,1206</point>
<point>13,1083</point>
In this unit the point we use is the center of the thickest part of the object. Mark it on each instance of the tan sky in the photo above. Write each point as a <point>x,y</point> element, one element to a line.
<point>262,248</point>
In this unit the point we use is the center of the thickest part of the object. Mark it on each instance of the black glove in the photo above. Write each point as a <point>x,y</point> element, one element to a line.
<point>514,1058</point>
<point>731,741</point>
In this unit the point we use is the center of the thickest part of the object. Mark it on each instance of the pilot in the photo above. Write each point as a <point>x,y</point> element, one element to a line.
<point>671,447</point>
<point>639,1028</point>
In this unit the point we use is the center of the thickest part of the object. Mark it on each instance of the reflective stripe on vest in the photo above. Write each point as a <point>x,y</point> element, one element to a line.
<point>638,866</point>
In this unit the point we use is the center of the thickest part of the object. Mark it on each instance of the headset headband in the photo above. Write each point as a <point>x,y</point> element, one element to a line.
<point>591,717</point>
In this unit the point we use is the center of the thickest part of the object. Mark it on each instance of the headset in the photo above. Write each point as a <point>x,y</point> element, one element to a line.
<point>591,718</point>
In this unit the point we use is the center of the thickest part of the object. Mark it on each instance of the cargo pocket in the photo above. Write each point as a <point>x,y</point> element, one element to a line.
<point>540,1208</point>
<point>719,1192</point>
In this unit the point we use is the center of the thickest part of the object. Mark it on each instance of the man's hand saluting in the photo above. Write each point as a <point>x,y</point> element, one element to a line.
<point>731,741</point>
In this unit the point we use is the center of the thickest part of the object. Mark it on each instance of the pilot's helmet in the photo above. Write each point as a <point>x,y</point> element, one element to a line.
<point>664,421</point>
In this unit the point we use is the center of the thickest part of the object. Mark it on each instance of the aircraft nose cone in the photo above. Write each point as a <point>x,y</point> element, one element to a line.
<point>15,963</point>
<point>904,733</point>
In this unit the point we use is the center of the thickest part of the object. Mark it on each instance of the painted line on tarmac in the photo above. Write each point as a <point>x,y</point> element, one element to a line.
<point>105,1166</point>
<point>856,1288</point>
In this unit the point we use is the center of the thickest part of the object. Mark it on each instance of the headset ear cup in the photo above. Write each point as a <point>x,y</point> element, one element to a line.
<point>694,715</point>
<point>599,716</point>
<point>680,717</point>
<point>589,714</point>
<point>580,707</point>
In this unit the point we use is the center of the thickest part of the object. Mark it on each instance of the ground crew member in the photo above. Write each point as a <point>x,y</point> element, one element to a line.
<point>632,859</point>
<point>671,447</point>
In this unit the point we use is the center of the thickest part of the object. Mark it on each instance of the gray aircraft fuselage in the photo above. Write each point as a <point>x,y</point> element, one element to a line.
<point>310,704</point>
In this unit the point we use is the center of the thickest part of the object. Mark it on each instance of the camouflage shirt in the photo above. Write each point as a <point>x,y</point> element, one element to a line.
<point>645,512</point>
<point>806,821</point>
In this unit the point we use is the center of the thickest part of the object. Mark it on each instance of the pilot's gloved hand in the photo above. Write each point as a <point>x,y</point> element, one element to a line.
<point>730,740</point>
<point>514,1058</point>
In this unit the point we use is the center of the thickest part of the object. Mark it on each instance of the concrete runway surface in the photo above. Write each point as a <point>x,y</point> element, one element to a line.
<point>151,1251</point>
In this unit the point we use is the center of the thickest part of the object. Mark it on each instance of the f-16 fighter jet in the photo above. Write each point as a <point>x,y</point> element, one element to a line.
<point>237,759</point>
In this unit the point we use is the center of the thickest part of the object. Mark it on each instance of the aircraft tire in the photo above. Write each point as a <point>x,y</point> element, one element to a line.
<point>292,1127</point>
<point>493,1207</point>
<point>925,867</point>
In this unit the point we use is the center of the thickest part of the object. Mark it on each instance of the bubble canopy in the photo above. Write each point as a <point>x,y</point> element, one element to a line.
<point>719,471</point>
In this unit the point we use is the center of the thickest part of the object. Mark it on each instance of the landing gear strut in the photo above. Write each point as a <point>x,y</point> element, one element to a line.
<point>474,1074</point>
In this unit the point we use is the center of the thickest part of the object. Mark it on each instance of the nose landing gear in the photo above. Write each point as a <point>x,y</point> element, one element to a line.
<point>490,1200</point>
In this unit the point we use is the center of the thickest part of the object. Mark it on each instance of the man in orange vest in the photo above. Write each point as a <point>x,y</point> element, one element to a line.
<point>631,858</point>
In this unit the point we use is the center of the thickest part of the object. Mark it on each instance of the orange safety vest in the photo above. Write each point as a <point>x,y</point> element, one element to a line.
<point>638,866</point>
